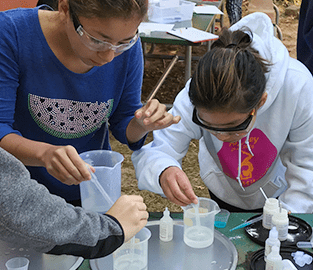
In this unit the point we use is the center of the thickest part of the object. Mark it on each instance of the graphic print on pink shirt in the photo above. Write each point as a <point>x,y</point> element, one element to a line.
<point>254,167</point>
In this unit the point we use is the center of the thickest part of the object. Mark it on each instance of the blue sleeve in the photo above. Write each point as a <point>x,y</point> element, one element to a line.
<point>308,25</point>
<point>9,75</point>
<point>305,34</point>
<point>131,98</point>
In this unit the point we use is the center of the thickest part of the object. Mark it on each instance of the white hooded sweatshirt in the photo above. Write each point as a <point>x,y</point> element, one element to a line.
<point>276,155</point>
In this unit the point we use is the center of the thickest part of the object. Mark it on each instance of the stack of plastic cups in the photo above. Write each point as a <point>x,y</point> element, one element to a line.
<point>301,258</point>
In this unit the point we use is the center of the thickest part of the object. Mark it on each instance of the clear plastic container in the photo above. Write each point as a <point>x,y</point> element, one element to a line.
<point>17,263</point>
<point>108,173</point>
<point>161,14</point>
<point>199,223</point>
<point>133,255</point>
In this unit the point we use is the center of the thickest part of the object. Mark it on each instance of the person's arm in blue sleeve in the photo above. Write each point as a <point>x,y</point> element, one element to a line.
<point>131,122</point>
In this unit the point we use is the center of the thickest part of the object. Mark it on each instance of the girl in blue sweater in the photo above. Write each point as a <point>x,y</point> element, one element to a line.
<point>66,77</point>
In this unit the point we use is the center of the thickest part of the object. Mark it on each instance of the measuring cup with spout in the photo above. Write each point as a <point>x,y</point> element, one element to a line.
<point>199,223</point>
<point>108,173</point>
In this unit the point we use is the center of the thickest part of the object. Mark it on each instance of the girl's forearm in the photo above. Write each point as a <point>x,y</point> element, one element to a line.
<point>29,152</point>
<point>134,131</point>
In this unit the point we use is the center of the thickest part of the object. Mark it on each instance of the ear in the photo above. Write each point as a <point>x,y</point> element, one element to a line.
<point>63,6</point>
<point>262,100</point>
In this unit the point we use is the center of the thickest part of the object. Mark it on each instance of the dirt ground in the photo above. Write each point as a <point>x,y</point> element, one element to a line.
<point>166,94</point>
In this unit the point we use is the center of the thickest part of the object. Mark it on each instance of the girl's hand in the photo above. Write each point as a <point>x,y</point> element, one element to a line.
<point>154,116</point>
<point>176,186</point>
<point>131,212</point>
<point>65,164</point>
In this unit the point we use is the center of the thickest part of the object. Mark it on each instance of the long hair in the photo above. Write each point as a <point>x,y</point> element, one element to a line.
<point>231,76</point>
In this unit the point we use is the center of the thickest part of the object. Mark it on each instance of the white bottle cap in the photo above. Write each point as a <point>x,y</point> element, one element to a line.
<point>272,203</point>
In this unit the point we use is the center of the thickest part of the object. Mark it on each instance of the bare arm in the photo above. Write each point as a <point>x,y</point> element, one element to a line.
<point>62,162</point>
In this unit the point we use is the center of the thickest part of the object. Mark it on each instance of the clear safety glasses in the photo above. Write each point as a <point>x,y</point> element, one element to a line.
<point>95,44</point>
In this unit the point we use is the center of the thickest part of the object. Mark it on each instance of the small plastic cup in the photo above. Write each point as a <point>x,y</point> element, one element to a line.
<point>199,223</point>
<point>221,218</point>
<point>133,255</point>
<point>17,263</point>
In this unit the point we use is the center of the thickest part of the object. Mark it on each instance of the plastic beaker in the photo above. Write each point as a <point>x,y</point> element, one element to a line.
<point>221,218</point>
<point>17,263</point>
<point>108,172</point>
<point>199,230</point>
<point>133,255</point>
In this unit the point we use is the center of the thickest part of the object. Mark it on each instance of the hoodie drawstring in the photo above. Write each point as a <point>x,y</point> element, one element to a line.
<point>239,166</point>
<point>239,159</point>
<point>248,145</point>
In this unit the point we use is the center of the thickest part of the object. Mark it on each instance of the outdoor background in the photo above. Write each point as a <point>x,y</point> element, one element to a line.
<point>288,22</point>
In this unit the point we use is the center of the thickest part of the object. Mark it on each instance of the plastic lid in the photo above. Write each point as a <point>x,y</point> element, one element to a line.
<point>272,203</point>
<point>281,214</point>
<point>273,233</point>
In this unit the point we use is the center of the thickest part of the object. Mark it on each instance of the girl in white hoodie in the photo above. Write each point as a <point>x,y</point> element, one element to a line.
<point>250,106</point>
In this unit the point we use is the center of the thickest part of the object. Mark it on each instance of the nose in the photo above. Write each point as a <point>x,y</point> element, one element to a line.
<point>106,56</point>
<point>225,137</point>
<point>222,136</point>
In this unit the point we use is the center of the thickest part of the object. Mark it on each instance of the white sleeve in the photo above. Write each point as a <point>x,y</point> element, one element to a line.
<point>168,147</point>
<point>297,155</point>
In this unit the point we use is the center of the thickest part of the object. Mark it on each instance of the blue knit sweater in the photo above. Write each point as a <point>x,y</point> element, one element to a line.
<point>42,100</point>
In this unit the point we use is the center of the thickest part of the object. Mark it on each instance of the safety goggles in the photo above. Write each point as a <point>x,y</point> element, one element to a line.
<point>95,44</point>
<point>243,127</point>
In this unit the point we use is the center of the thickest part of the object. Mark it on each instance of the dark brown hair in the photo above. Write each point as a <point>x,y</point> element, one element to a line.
<point>104,8</point>
<point>110,8</point>
<point>231,76</point>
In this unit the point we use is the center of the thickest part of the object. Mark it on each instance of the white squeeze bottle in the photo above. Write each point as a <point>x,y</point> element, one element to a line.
<point>274,261</point>
<point>166,226</point>
<point>270,207</point>
<point>271,241</point>
<point>281,221</point>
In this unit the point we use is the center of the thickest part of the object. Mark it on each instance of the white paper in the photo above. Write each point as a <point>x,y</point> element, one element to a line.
<point>207,9</point>
<point>193,34</point>
<point>145,27</point>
